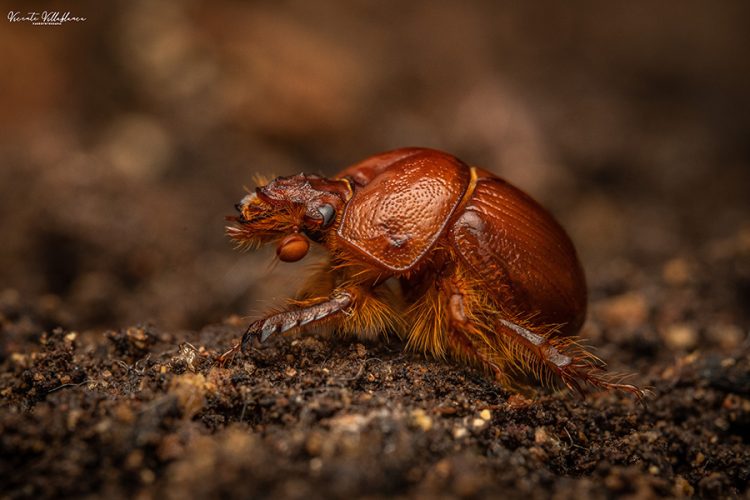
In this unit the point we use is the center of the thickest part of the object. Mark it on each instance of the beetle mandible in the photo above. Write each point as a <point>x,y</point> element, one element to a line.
<point>487,276</point>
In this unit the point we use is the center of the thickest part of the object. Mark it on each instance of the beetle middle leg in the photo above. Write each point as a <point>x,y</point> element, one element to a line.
<point>444,323</point>
<point>466,333</point>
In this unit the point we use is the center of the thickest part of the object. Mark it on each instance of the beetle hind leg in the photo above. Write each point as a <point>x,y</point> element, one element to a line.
<point>481,334</point>
<point>552,357</point>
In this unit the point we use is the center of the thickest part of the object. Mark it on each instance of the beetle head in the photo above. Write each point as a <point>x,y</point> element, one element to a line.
<point>303,203</point>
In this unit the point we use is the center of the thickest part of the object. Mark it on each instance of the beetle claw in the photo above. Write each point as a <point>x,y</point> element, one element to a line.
<point>247,337</point>
<point>260,330</point>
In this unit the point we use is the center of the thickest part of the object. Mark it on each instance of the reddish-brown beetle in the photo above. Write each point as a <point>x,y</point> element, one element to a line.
<point>487,275</point>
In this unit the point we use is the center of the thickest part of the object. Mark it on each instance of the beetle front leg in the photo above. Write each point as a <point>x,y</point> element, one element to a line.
<point>312,311</point>
<point>339,302</point>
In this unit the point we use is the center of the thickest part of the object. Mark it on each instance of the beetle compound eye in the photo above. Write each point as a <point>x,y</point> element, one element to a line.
<point>328,213</point>
<point>292,248</point>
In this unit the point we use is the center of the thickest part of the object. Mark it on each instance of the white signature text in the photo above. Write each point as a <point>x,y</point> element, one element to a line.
<point>44,18</point>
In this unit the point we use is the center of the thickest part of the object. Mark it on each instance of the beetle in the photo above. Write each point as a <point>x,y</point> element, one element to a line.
<point>483,273</point>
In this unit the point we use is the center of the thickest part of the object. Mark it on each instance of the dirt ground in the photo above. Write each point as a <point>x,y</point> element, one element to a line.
<point>126,138</point>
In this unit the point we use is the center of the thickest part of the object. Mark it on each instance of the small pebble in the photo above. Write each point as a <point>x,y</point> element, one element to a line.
<point>728,336</point>
<point>681,336</point>
<point>148,476</point>
<point>478,423</point>
<point>629,310</point>
<point>682,487</point>
<point>676,272</point>
<point>540,435</point>
<point>420,419</point>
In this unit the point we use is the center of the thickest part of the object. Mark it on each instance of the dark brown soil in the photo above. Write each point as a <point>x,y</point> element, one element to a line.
<point>127,138</point>
<point>149,412</point>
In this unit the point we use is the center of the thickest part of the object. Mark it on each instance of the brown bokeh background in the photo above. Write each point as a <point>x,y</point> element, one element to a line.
<point>125,139</point>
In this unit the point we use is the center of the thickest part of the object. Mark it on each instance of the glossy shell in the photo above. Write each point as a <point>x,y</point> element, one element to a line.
<point>407,201</point>
<point>403,206</point>
<point>522,255</point>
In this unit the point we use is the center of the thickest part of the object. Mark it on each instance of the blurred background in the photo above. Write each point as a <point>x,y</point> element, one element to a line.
<point>126,138</point>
